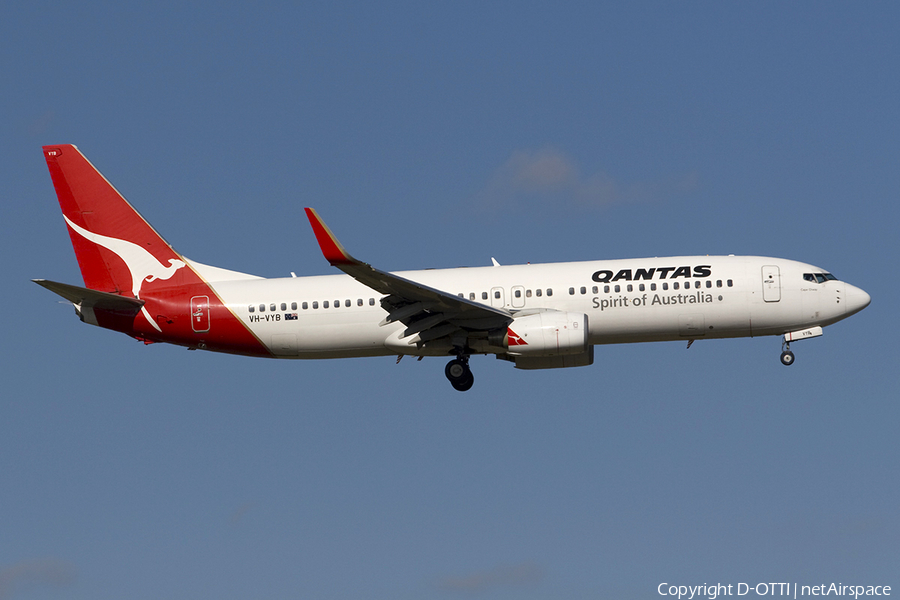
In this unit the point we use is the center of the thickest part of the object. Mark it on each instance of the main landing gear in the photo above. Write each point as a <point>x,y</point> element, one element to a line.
<point>459,374</point>
<point>787,357</point>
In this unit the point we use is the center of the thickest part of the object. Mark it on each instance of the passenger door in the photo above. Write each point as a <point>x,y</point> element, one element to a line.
<point>771,280</point>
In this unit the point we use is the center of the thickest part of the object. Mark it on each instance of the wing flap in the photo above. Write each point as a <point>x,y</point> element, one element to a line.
<point>426,323</point>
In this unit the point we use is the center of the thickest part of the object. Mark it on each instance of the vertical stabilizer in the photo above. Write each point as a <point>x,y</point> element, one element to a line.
<point>117,250</point>
<point>120,254</point>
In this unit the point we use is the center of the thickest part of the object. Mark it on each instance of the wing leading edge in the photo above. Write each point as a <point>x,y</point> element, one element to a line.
<point>428,313</point>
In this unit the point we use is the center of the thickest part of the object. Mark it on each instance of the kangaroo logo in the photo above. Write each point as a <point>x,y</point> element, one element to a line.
<point>142,265</point>
<point>514,339</point>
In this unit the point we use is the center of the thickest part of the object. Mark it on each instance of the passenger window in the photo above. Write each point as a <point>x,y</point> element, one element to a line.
<point>316,304</point>
<point>471,295</point>
<point>605,289</point>
<point>252,308</point>
<point>571,291</point>
<point>305,306</point>
<point>718,283</point>
<point>618,288</point>
<point>675,285</point>
<point>284,306</point>
<point>497,294</point>
<point>595,290</point>
<point>666,285</point>
<point>272,307</point>
<point>583,290</point>
<point>641,287</point>
<point>325,304</point>
<point>347,303</point>
<point>549,291</point>
<point>359,302</point>
<point>518,293</point>
<point>630,288</point>
<point>484,296</point>
<point>730,283</point>
<point>262,308</point>
<point>708,283</point>
<point>538,293</point>
<point>652,287</point>
<point>697,285</point>
<point>371,301</point>
<point>293,306</point>
<point>528,293</point>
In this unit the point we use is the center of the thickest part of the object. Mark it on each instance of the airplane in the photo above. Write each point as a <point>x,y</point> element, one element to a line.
<point>537,316</point>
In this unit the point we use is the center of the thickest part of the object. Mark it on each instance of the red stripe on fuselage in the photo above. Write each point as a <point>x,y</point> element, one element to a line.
<point>170,307</point>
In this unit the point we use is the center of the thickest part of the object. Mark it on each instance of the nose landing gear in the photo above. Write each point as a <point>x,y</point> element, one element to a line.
<point>459,374</point>
<point>787,357</point>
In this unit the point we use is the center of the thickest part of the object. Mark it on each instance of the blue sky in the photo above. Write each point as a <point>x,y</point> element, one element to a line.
<point>437,137</point>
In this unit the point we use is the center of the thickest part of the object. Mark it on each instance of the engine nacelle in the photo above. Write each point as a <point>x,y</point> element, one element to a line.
<point>555,362</point>
<point>548,333</point>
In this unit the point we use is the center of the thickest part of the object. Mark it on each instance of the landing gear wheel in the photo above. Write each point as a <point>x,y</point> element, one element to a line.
<point>457,371</point>
<point>787,358</point>
<point>465,385</point>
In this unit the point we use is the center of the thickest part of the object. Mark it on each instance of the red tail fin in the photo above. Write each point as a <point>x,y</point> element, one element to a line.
<point>120,253</point>
<point>117,250</point>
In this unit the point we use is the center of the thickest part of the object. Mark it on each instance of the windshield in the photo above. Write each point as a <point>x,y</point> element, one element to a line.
<point>819,277</point>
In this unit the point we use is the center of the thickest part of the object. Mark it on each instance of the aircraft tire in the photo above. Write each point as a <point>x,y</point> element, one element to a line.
<point>456,370</point>
<point>787,358</point>
<point>464,385</point>
<point>459,374</point>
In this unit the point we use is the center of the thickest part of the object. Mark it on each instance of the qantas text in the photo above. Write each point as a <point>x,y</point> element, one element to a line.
<point>606,276</point>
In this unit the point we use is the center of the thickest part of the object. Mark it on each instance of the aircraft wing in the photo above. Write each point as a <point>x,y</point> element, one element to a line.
<point>426,311</point>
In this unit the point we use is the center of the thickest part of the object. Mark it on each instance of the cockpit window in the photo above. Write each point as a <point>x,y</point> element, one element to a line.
<point>819,277</point>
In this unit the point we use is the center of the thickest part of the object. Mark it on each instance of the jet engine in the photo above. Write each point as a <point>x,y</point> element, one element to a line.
<point>547,340</point>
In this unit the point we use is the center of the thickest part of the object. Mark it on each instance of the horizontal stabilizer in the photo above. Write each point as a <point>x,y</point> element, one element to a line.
<point>87,298</point>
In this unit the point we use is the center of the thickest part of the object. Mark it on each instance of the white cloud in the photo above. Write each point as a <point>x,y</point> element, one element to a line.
<point>28,573</point>
<point>548,175</point>
<point>544,170</point>
<point>524,574</point>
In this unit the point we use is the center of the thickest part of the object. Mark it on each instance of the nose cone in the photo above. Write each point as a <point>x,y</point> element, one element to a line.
<point>857,300</point>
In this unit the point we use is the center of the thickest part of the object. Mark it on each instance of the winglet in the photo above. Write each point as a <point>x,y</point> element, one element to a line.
<point>331,248</point>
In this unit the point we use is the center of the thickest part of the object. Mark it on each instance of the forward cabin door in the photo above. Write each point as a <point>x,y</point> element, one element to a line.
<point>771,280</point>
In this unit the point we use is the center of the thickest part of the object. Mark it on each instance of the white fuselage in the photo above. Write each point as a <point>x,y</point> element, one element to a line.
<point>630,300</point>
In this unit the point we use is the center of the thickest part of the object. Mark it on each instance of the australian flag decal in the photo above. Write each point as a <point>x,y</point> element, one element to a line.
<point>290,316</point>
